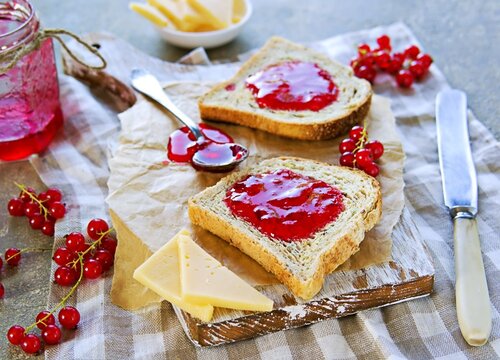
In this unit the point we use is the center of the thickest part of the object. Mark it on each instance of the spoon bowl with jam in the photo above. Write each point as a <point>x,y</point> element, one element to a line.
<point>205,147</point>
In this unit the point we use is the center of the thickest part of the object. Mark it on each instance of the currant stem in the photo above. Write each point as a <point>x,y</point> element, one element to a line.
<point>63,300</point>
<point>43,209</point>
<point>27,250</point>
<point>92,246</point>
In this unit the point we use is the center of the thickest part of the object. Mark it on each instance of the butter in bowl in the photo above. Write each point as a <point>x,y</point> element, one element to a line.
<point>194,23</point>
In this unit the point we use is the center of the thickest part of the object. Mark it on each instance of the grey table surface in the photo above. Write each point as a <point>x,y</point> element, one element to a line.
<point>462,36</point>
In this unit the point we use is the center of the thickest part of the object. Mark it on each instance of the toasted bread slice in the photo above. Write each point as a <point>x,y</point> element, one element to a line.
<point>233,102</point>
<point>300,265</point>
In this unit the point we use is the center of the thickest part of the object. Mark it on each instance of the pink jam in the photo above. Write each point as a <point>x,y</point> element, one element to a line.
<point>30,112</point>
<point>217,148</point>
<point>293,85</point>
<point>285,205</point>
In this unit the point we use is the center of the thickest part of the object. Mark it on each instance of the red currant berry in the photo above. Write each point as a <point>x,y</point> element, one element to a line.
<point>363,49</point>
<point>43,198</point>
<point>356,132</point>
<point>412,52</point>
<point>53,195</point>
<point>31,344</point>
<point>65,276</point>
<point>75,242</point>
<point>376,148</point>
<point>24,195</point>
<point>31,209</point>
<point>51,335</point>
<point>371,169</point>
<point>365,72</point>
<point>404,78</point>
<point>36,221</point>
<point>425,60</point>
<point>347,159</point>
<point>347,145</point>
<point>384,42</point>
<point>48,228</point>
<point>2,291</point>
<point>16,207</point>
<point>363,157</point>
<point>57,210</point>
<point>45,318</point>
<point>12,256</point>
<point>63,256</point>
<point>92,269</point>
<point>109,244</point>
<point>417,69</point>
<point>105,258</point>
<point>15,334</point>
<point>96,227</point>
<point>382,59</point>
<point>69,317</point>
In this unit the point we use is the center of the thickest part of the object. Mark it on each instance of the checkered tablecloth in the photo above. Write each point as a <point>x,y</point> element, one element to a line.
<point>419,329</point>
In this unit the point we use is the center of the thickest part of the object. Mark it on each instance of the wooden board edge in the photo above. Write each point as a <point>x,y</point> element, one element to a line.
<point>210,334</point>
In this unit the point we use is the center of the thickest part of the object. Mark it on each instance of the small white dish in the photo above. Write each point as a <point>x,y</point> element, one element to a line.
<point>208,39</point>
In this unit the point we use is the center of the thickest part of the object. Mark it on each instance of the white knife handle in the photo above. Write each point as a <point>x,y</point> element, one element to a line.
<point>473,302</point>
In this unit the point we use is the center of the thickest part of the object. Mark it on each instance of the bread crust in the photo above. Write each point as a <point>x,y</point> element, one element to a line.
<point>341,250</point>
<point>312,130</point>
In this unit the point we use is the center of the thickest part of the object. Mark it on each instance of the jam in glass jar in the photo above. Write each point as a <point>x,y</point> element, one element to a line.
<point>30,111</point>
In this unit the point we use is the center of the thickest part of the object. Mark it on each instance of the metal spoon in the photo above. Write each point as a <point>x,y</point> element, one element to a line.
<point>147,84</point>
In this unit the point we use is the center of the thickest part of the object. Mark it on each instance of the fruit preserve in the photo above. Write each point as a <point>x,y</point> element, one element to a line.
<point>30,112</point>
<point>285,205</point>
<point>293,85</point>
<point>182,145</point>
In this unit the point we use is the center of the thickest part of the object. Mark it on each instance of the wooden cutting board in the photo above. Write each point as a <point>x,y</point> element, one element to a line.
<point>409,275</point>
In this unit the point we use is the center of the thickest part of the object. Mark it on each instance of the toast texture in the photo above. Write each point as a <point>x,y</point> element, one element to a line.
<point>238,105</point>
<point>300,265</point>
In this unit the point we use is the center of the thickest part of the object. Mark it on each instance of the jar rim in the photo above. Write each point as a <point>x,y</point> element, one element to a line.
<point>28,25</point>
<point>31,12</point>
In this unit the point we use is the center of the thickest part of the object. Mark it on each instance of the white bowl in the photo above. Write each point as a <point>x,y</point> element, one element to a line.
<point>208,39</point>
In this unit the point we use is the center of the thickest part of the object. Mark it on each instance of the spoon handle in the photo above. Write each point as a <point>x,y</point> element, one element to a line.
<point>148,85</point>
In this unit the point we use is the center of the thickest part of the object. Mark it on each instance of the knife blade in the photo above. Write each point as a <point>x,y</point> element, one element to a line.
<point>460,196</point>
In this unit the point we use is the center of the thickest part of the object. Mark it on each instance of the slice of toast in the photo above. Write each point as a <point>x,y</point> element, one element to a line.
<point>300,265</point>
<point>233,102</point>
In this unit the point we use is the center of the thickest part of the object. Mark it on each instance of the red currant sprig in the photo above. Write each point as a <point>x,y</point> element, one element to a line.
<point>407,66</point>
<point>77,260</point>
<point>42,210</point>
<point>356,151</point>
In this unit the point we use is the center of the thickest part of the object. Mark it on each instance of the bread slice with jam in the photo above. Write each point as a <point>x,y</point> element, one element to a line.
<point>302,260</point>
<point>233,101</point>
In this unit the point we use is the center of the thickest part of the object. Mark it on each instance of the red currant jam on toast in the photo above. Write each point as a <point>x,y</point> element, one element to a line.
<point>293,85</point>
<point>182,144</point>
<point>285,205</point>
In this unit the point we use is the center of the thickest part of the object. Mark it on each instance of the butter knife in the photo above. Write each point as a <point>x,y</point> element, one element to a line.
<point>460,196</point>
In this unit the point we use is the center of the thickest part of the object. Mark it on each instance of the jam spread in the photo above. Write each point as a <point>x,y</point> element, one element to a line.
<point>182,144</point>
<point>285,205</point>
<point>293,85</point>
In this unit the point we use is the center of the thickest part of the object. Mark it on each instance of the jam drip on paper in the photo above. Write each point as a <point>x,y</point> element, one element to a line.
<point>285,205</point>
<point>293,85</point>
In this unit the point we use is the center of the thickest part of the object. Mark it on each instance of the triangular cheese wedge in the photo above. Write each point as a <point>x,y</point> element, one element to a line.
<point>160,273</point>
<point>218,12</point>
<point>205,280</point>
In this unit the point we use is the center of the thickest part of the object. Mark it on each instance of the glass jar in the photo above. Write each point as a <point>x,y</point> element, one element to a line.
<point>30,111</point>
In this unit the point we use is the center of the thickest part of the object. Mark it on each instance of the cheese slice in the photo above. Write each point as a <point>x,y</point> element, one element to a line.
<point>184,17</point>
<point>160,273</point>
<point>219,13</point>
<point>205,280</point>
<point>239,10</point>
<point>152,14</point>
